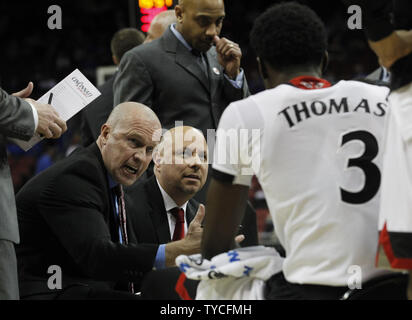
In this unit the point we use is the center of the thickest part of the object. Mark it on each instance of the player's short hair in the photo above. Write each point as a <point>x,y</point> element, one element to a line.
<point>289,34</point>
<point>124,40</point>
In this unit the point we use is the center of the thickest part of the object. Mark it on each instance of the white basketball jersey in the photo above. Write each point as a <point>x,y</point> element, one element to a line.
<point>395,220</point>
<point>317,155</point>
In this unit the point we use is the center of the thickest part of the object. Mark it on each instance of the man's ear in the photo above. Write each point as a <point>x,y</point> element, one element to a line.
<point>157,159</point>
<point>179,13</point>
<point>115,60</point>
<point>325,61</point>
<point>262,68</point>
<point>104,132</point>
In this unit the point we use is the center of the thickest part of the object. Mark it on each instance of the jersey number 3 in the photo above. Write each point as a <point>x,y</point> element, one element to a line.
<point>371,171</point>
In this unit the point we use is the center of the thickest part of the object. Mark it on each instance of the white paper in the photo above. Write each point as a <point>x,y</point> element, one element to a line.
<point>70,95</point>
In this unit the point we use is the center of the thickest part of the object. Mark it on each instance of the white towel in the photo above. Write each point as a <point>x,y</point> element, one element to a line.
<point>239,274</point>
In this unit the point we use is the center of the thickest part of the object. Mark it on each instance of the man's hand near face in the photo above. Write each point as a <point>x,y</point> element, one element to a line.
<point>228,56</point>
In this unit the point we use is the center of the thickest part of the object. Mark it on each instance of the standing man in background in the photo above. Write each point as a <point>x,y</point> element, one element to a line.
<point>159,25</point>
<point>189,74</point>
<point>20,118</point>
<point>97,112</point>
<point>94,115</point>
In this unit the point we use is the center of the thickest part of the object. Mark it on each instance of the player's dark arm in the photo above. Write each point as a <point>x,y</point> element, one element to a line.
<point>225,206</point>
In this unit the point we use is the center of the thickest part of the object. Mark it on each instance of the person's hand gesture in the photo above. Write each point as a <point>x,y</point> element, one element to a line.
<point>26,92</point>
<point>228,56</point>
<point>393,47</point>
<point>50,124</point>
<point>195,229</point>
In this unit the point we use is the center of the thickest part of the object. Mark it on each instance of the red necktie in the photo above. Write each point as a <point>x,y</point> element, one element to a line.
<point>179,215</point>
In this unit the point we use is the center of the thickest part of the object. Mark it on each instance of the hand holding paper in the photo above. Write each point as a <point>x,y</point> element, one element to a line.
<point>50,124</point>
<point>70,95</point>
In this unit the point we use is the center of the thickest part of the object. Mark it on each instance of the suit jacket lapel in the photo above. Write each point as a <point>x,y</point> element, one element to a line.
<point>215,71</point>
<point>158,214</point>
<point>184,57</point>
<point>109,216</point>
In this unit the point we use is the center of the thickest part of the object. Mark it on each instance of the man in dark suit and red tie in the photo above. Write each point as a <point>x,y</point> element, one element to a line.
<point>180,171</point>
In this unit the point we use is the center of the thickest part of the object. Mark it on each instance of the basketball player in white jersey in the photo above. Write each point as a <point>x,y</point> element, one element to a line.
<point>316,151</point>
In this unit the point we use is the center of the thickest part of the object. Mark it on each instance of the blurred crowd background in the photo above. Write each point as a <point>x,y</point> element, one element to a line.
<point>30,51</point>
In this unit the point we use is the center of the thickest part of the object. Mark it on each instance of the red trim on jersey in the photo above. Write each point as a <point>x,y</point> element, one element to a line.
<point>309,82</point>
<point>385,242</point>
<point>181,289</point>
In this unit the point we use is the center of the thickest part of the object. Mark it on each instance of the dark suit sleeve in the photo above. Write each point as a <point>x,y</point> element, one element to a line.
<point>73,207</point>
<point>133,81</point>
<point>94,115</point>
<point>16,117</point>
<point>231,93</point>
<point>86,131</point>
